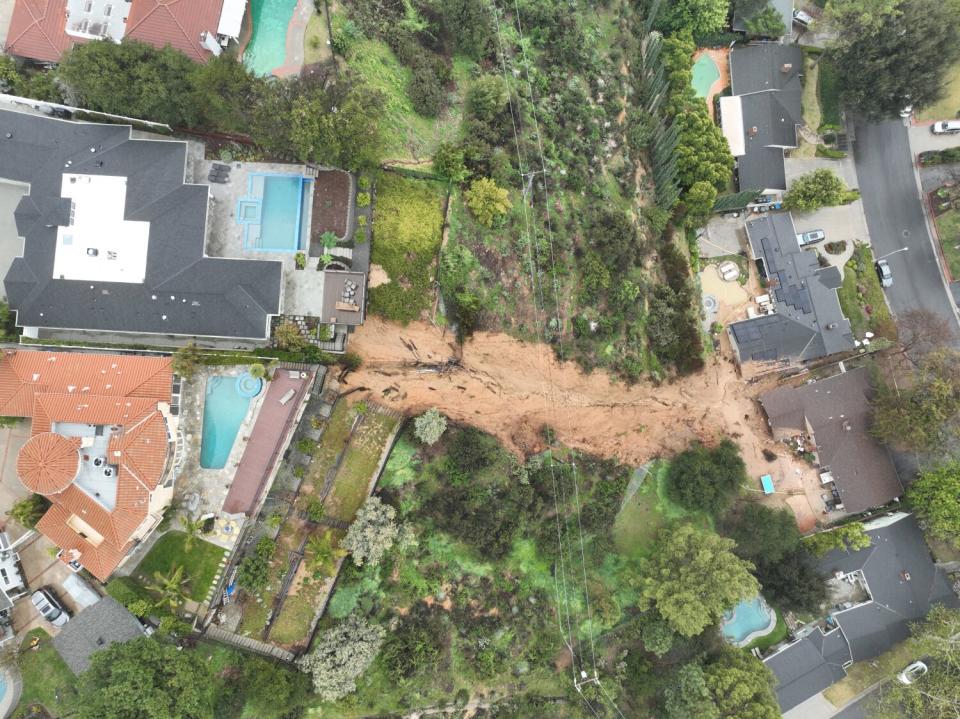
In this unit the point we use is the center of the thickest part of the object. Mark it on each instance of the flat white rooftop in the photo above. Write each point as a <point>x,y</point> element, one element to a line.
<point>231,18</point>
<point>99,245</point>
<point>731,121</point>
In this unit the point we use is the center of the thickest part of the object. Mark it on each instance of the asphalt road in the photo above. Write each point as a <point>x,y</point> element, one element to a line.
<point>895,219</point>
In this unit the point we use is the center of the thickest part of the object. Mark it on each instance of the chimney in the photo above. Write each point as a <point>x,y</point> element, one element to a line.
<point>753,131</point>
<point>786,67</point>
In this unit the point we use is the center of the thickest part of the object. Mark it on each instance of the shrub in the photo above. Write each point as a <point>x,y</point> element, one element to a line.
<point>315,510</point>
<point>253,572</point>
<point>27,512</point>
<point>300,260</point>
<point>429,426</point>
<point>361,220</point>
<point>363,182</point>
<point>306,445</point>
<point>363,199</point>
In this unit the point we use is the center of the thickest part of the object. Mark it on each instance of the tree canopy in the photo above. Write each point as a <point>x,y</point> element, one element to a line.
<point>372,532</point>
<point>341,655</point>
<point>935,495</point>
<point>741,686</point>
<point>893,53</point>
<point>145,679</point>
<point>486,201</point>
<point>816,189</point>
<point>693,577</point>
<point>701,17</point>
<point>762,532</point>
<point>706,479</point>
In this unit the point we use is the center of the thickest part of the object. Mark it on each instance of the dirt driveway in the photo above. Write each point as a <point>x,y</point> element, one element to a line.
<point>512,389</point>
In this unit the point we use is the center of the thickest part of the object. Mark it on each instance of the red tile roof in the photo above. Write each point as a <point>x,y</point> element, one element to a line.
<point>120,391</point>
<point>178,23</point>
<point>38,27</point>
<point>38,30</point>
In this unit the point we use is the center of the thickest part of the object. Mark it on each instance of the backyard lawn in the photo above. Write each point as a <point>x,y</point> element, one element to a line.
<point>862,675</point>
<point>200,563</point>
<point>949,106</point>
<point>778,634</point>
<point>408,221</point>
<point>829,90</point>
<point>45,675</point>
<point>948,227</point>
<point>862,299</point>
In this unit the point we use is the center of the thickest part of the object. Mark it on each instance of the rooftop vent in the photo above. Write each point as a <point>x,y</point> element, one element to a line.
<point>786,67</point>
<point>753,131</point>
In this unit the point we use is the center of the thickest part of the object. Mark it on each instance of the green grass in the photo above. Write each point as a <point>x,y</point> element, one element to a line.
<point>861,290</point>
<point>829,90</point>
<point>44,675</point>
<point>315,47</point>
<point>200,563</point>
<point>778,634</point>
<point>948,107</point>
<point>406,237</point>
<point>948,226</point>
<point>648,511</point>
<point>359,464</point>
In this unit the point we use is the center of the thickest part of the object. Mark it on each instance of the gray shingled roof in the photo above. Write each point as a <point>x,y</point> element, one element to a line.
<point>784,8</point>
<point>838,411</point>
<point>93,629</point>
<point>809,322</point>
<point>810,665</point>
<point>198,295</point>
<point>762,66</point>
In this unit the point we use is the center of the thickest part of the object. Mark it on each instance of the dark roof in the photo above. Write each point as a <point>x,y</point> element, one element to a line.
<point>784,8</point>
<point>197,295</point>
<point>808,322</point>
<point>897,548</point>
<point>838,412</point>
<point>766,66</point>
<point>809,666</point>
<point>93,629</point>
<point>336,304</point>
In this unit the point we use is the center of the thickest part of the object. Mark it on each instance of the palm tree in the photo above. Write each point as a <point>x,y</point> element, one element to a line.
<point>191,527</point>
<point>171,588</point>
<point>322,555</point>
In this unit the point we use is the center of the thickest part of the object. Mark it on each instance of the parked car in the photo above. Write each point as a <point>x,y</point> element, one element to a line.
<point>807,238</point>
<point>802,18</point>
<point>945,127</point>
<point>50,607</point>
<point>884,273</point>
<point>912,673</point>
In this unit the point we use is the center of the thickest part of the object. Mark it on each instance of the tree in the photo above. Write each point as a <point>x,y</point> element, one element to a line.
<point>322,556</point>
<point>145,678</point>
<point>486,201</point>
<point>687,695</point>
<point>793,582</point>
<point>254,570</point>
<point>657,636</point>
<point>816,189</point>
<point>921,413</point>
<point>170,588</point>
<point>703,154</point>
<point>693,577</point>
<point>893,53</point>
<point>701,17</point>
<point>699,201</point>
<point>27,512</point>
<point>766,23</point>
<point>706,479</point>
<point>10,80</point>
<point>741,686</point>
<point>269,689</point>
<point>257,370</point>
<point>847,538</point>
<point>186,361</point>
<point>935,495</point>
<point>372,532</point>
<point>486,97</point>
<point>448,162</point>
<point>288,336</point>
<point>429,426</point>
<point>191,527</point>
<point>342,654</point>
<point>612,233</point>
<point>762,533</point>
<point>922,332</point>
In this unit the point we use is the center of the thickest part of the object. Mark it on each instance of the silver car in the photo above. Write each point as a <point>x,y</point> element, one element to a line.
<point>884,273</point>
<point>808,238</point>
<point>49,607</point>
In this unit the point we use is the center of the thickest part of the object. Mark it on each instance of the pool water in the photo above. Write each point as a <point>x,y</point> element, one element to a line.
<point>752,615</point>
<point>705,73</point>
<point>280,212</point>
<point>224,410</point>
<point>267,49</point>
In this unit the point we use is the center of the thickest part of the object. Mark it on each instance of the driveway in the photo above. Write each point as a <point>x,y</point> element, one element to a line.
<point>896,219</point>
<point>922,139</point>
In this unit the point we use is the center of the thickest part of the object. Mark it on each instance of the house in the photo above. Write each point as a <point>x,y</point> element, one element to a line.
<point>804,320</point>
<point>835,414</point>
<point>114,238</point>
<point>783,8</point>
<point>94,629</point>
<point>901,583</point>
<point>101,448</point>
<point>43,30</point>
<point>761,116</point>
<point>12,585</point>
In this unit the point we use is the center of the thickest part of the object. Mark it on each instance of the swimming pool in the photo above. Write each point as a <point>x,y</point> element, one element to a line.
<point>748,620</point>
<point>272,213</point>
<point>224,410</point>
<point>705,73</point>
<point>267,49</point>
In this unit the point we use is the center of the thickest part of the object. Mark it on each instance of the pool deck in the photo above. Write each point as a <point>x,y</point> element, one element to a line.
<point>721,60</point>
<point>296,35</point>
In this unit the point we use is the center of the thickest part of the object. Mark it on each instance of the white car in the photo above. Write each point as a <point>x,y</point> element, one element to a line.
<point>945,127</point>
<point>808,238</point>
<point>912,673</point>
<point>802,18</point>
<point>50,607</point>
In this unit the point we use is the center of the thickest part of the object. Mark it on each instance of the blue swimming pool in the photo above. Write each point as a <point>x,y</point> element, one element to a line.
<point>748,617</point>
<point>267,49</point>
<point>224,409</point>
<point>273,213</point>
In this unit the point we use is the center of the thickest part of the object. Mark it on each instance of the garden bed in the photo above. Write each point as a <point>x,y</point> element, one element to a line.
<point>331,204</point>
<point>862,299</point>
<point>948,228</point>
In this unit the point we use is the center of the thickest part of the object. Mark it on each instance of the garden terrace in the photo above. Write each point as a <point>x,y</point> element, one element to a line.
<point>332,206</point>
